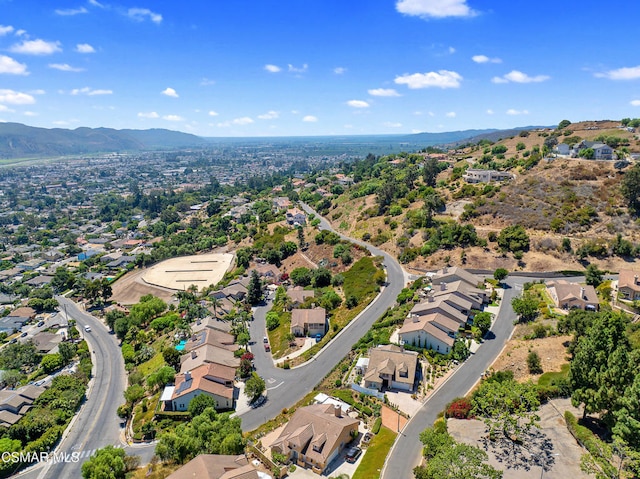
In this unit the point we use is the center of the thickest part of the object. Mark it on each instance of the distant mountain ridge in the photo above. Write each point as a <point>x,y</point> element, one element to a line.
<point>22,141</point>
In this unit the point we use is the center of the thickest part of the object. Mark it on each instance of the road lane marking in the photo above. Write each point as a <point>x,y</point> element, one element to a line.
<point>275,387</point>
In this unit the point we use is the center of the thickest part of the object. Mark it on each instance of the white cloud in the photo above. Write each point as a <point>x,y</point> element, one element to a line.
<point>390,124</point>
<point>4,29</point>
<point>207,82</point>
<point>310,119</point>
<point>383,92</point>
<point>451,114</point>
<point>516,76</point>
<point>485,59</point>
<point>511,111</point>
<point>151,114</point>
<point>172,118</point>
<point>11,66</point>
<point>272,68</point>
<point>339,70</point>
<point>245,120</point>
<point>20,32</point>
<point>439,79</point>
<point>489,111</point>
<point>213,113</point>
<point>36,47</point>
<point>141,14</point>
<point>95,3</point>
<point>6,108</point>
<point>170,92</point>
<point>30,113</point>
<point>65,67</point>
<point>71,11</point>
<point>85,48</point>
<point>13,97</point>
<point>626,73</point>
<point>358,104</point>
<point>435,8</point>
<point>302,69</point>
<point>270,115</point>
<point>89,92</point>
<point>61,123</point>
<point>635,102</point>
<point>37,92</point>
<point>452,50</point>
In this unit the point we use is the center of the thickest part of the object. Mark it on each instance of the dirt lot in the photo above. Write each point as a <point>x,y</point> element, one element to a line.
<point>550,450</point>
<point>130,288</point>
<point>552,353</point>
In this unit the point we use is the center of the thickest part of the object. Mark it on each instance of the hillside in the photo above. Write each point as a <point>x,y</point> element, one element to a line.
<point>571,208</point>
<point>22,141</point>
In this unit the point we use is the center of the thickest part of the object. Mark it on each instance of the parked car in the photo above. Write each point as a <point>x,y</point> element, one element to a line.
<point>318,338</point>
<point>267,348</point>
<point>23,334</point>
<point>40,323</point>
<point>353,454</point>
<point>366,439</point>
<point>265,340</point>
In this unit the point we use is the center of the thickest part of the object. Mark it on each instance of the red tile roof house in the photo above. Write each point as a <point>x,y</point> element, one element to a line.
<point>214,380</point>
<point>315,435</point>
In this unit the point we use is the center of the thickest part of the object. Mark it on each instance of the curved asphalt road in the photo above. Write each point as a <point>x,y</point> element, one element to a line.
<point>97,424</point>
<point>286,387</point>
<point>407,450</point>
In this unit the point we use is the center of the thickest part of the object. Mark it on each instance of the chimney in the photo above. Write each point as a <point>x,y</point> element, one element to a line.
<point>582,293</point>
<point>415,318</point>
<point>635,279</point>
<point>194,354</point>
<point>443,286</point>
<point>187,376</point>
<point>430,298</point>
<point>444,270</point>
<point>337,411</point>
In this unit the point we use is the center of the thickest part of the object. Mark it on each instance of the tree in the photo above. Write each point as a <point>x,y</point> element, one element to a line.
<point>631,188</point>
<point>507,406</point>
<point>112,316</point>
<point>162,377</point>
<point>199,403</point>
<point>301,276</point>
<point>67,352</point>
<point>602,367</point>
<point>106,463</point>
<point>500,274</point>
<point>254,294</point>
<point>593,275</point>
<point>254,387</point>
<point>432,203</point>
<point>482,321</point>
<point>461,461</point>
<point>533,362</point>
<point>172,357</point>
<point>525,306</point>
<point>321,278</point>
<point>273,320</point>
<point>301,241</point>
<point>563,124</point>
<point>513,238</point>
<point>430,171</point>
<point>460,350</point>
<point>627,425</point>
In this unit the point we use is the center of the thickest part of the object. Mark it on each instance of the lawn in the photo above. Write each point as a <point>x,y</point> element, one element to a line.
<point>278,337</point>
<point>548,378</point>
<point>359,280</point>
<point>373,460</point>
<point>152,365</point>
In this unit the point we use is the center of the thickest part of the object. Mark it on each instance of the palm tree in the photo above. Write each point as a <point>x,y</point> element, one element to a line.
<point>215,303</point>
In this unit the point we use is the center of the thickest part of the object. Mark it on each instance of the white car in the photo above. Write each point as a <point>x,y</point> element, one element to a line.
<point>87,328</point>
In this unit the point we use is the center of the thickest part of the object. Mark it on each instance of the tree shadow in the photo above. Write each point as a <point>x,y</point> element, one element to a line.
<point>534,450</point>
<point>490,335</point>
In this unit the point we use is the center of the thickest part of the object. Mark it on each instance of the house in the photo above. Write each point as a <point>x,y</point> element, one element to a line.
<point>217,466</point>
<point>421,331</point>
<point>281,203</point>
<point>208,353</point>
<point>235,290</point>
<point>309,322</point>
<point>47,342</point>
<point>210,322</point>
<point>562,149</point>
<point>391,367</point>
<point>15,403</point>
<point>315,435</point>
<point>629,284</point>
<point>473,175</point>
<point>212,337</point>
<point>23,312</point>
<point>11,324</point>
<point>267,272</point>
<point>451,274</point>
<point>601,151</point>
<point>214,380</point>
<point>439,305</point>
<point>296,216</point>
<point>475,296</point>
<point>299,295</point>
<point>40,281</point>
<point>568,295</point>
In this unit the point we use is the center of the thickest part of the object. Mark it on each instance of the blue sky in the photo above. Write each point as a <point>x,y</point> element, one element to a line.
<point>317,67</point>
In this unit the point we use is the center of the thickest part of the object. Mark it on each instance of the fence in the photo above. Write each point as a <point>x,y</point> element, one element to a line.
<point>367,391</point>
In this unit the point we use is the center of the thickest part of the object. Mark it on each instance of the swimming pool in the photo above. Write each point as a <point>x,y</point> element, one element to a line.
<point>180,345</point>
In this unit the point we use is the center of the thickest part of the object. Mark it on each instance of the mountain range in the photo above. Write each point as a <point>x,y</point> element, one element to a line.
<point>22,141</point>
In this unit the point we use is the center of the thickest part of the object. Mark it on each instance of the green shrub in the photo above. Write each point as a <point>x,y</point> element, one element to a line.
<point>376,426</point>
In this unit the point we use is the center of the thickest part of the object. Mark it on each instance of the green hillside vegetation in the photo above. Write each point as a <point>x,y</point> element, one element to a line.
<point>418,207</point>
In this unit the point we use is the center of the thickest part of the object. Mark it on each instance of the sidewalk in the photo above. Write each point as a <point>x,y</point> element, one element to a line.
<point>308,343</point>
